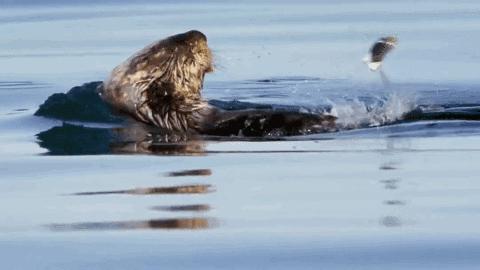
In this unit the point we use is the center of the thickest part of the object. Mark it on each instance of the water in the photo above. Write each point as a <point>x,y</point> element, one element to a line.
<point>394,188</point>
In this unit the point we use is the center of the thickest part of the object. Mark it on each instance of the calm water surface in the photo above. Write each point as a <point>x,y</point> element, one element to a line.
<point>396,188</point>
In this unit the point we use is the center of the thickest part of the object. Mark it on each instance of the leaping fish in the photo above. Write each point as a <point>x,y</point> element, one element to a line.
<point>378,52</point>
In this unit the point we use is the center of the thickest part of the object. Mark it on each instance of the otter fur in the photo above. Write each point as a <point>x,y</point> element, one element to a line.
<point>161,85</point>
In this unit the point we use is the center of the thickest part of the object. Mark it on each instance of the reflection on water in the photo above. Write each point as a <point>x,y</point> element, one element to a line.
<point>190,148</point>
<point>390,183</point>
<point>190,223</point>
<point>17,111</point>
<point>181,208</point>
<point>391,221</point>
<point>198,172</point>
<point>70,139</point>
<point>394,202</point>
<point>167,224</point>
<point>187,189</point>
<point>388,166</point>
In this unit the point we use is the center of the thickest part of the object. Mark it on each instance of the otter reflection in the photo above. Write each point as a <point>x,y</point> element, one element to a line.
<point>181,208</point>
<point>70,139</point>
<point>187,189</point>
<point>189,148</point>
<point>16,111</point>
<point>391,221</point>
<point>197,172</point>
<point>390,183</point>
<point>388,167</point>
<point>152,224</point>
<point>394,202</point>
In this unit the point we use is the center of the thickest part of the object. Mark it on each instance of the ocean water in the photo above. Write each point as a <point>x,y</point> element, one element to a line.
<point>394,188</point>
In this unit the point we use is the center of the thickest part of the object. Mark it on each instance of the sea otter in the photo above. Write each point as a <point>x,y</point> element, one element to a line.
<point>161,85</point>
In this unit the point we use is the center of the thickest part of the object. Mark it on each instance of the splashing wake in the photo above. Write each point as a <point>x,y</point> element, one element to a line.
<point>357,114</point>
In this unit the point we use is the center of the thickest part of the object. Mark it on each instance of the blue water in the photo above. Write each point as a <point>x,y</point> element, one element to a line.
<point>395,188</point>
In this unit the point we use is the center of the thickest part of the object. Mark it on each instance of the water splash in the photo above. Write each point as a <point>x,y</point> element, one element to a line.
<point>357,113</point>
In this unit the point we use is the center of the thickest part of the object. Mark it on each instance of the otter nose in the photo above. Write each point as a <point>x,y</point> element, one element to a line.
<point>195,35</point>
<point>190,36</point>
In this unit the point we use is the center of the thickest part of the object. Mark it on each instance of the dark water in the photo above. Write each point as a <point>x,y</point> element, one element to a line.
<point>396,187</point>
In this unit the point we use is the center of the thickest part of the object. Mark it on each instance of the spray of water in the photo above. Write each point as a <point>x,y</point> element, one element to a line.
<point>358,114</point>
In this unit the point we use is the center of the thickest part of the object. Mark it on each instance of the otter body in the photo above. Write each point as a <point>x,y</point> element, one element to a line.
<point>161,86</point>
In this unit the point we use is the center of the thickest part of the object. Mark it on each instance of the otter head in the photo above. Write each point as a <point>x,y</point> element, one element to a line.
<point>161,84</point>
<point>179,64</point>
<point>188,59</point>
